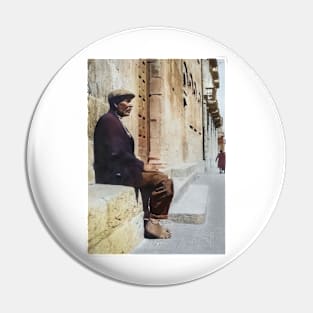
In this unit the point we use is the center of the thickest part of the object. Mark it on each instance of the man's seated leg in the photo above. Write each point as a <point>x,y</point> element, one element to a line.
<point>161,194</point>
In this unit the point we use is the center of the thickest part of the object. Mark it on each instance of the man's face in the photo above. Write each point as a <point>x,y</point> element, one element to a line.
<point>124,108</point>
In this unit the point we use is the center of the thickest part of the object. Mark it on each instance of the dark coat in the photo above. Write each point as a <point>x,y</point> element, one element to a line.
<point>115,162</point>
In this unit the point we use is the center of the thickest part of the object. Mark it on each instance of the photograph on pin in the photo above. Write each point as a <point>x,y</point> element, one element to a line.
<point>156,156</point>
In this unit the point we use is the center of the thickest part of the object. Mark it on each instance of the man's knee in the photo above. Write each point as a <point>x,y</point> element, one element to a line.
<point>161,183</point>
<point>169,187</point>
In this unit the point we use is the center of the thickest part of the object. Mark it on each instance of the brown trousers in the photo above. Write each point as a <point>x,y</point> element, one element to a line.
<point>157,192</point>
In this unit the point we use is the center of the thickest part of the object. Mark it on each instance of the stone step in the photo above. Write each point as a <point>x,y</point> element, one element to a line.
<point>183,175</point>
<point>207,238</point>
<point>115,219</point>
<point>185,169</point>
<point>191,207</point>
<point>181,184</point>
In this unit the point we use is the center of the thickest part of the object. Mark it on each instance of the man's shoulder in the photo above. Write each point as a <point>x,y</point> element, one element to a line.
<point>107,118</point>
<point>109,115</point>
<point>108,123</point>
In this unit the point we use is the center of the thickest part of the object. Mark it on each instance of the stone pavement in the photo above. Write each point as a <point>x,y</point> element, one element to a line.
<point>198,220</point>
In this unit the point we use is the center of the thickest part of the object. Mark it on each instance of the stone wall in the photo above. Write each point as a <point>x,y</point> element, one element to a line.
<point>170,121</point>
<point>115,219</point>
<point>179,112</point>
<point>193,111</point>
<point>103,77</point>
<point>166,121</point>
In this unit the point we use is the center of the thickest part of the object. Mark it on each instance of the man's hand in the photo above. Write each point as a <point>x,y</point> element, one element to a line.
<point>150,168</point>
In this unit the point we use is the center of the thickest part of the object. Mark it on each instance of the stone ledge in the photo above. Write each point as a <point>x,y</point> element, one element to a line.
<point>192,207</point>
<point>115,219</point>
<point>183,175</point>
<point>185,169</point>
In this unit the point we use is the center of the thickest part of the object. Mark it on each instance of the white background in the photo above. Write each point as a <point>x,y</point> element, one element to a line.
<point>275,39</point>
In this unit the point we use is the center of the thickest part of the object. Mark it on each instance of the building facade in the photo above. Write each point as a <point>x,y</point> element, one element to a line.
<point>176,118</point>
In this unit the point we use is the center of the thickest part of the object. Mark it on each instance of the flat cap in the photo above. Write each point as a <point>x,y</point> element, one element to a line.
<point>119,95</point>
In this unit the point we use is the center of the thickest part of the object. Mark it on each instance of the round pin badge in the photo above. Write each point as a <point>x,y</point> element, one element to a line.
<point>155,156</point>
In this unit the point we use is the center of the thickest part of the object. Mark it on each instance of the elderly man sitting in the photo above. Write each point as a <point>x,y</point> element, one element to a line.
<point>115,163</point>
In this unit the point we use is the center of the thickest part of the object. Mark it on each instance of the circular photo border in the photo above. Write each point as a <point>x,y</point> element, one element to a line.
<point>57,156</point>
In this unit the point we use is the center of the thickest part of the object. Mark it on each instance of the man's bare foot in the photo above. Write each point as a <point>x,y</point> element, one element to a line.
<point>153,230</point>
